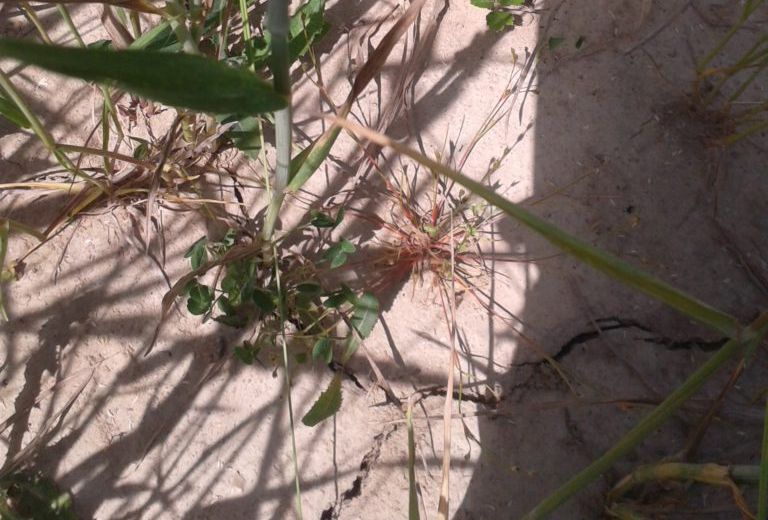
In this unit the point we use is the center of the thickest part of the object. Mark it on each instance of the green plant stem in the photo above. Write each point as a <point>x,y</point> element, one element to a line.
<point>747,60</point>
<point>5,228</point>
<point>744,133</point>
<point>246,28</point>
<point>759,67</point>
<point>68,20</point>
<point>176,15</point>
<point>224,33</point>
<point>413,503</point>
<point>42,133</point>
<point>281,312</point>
<point>747,9</point>
<point>636,434</point>
<point>277,24</point>
<point>107,107</point>
<point>135,23</point>
<point>31,15</point>
<point>762,495</point>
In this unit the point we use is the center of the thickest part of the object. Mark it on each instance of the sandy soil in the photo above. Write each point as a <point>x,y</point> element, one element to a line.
<point>605,146</point>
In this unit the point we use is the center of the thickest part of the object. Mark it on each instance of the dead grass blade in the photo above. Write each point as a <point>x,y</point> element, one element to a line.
<point>310,159</point>
<point>443,504</point>
<point>45,432</point>
<point>413,499</point>
<point>155,185</point>
<point>714,474</point>
<point>5,227</point>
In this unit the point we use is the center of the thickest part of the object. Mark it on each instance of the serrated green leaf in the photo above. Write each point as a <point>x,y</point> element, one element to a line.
<point>326,405</point>
<point>180,80</point>
<point>323,349</point>
<point>197,253</point>
<point>365,314</point>
<point>484,4</point>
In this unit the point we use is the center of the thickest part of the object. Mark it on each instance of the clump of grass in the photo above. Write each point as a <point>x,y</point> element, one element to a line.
<point>719,90</point>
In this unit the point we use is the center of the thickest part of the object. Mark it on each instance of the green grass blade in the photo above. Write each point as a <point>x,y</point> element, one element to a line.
<point>310,159</point>
<point>180,80</point>
<point>582,250</point>
<point>652,421</point>
<point>762,495</point>
<point>12,112</point>
<point>644,428</point>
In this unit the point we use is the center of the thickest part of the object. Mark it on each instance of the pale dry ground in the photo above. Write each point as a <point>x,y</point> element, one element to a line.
<point>190,432</point>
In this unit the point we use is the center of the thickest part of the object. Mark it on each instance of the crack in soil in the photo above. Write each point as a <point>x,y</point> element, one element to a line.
<point>355,490</point>
<point>602,325</point>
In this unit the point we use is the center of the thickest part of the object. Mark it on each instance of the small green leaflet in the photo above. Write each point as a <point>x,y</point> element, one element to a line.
<point>180,80</point>
<point>323,220</point>
<point>200,298</point>
<point>263,300</point>
<point>326,405</point>
<point>247,352</point>
<point>197,253</point>
<point>337,253</point>
<point>554,41</point>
